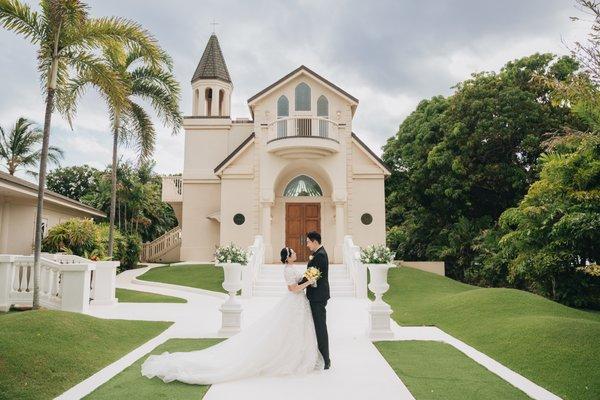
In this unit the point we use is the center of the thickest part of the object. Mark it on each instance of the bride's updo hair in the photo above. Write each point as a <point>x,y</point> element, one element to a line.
<point>285,254</point>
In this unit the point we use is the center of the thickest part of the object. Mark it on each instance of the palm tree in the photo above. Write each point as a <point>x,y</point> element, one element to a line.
<point>20,147</point>
<point>67,39</point>
<point>131,124</point>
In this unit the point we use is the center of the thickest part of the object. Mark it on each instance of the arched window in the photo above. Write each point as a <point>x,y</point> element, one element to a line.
<point>283,107</point>
<point>323,111</point>
<point>283,110</point>
<point>208,96</point>
<point>322,107</point>
<point>302,97</point>
<point>303,185</point>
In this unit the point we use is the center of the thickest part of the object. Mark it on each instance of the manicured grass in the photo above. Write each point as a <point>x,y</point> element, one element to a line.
<point>134,296</point>
<point>131,385</point>
<point>555,346</point>
<point>43,353</point>
<point>201,276</point>
<point>434,370</point>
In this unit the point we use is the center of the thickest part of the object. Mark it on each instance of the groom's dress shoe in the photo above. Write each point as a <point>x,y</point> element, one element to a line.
<point>327,365</point>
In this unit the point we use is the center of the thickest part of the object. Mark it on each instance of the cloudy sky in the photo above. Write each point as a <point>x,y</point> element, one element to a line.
<point>388,54</point>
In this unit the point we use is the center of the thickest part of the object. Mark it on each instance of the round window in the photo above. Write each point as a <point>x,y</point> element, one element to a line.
<point>366,219</point>
<point>239,219</point>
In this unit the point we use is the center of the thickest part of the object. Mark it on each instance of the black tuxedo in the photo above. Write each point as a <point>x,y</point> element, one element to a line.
<point>317,297</point>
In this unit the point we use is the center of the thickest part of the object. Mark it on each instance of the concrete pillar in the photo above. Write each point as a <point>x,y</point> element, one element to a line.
<point>6,268</point>
<point>76,287</point>
<point>104,286</point>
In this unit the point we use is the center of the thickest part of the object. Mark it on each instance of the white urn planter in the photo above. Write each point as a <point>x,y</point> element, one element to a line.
<point>231,309</point>
<point>379,311</point>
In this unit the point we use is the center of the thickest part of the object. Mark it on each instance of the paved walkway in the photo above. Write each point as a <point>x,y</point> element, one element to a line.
<point>354,358</point>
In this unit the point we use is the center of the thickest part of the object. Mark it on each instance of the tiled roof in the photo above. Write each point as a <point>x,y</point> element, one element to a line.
<point>212,64</point>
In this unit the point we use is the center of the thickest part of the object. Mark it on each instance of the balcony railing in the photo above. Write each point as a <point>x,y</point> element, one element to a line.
<point>303,126</point>
<point>172,188</point>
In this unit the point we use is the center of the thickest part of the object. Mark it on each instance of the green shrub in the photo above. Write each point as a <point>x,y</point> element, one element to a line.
<point>129,250</point>
<point>87,239</point>
<point>76,236</point>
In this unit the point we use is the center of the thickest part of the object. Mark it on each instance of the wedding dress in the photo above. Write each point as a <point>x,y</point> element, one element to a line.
<point>281,342</point>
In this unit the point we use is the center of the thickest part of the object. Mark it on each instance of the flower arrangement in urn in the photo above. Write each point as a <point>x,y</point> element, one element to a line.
<point>231,254</point>
<point>376,254</point>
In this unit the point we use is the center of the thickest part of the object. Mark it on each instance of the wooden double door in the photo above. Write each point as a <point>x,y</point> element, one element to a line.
<point>301,218</point>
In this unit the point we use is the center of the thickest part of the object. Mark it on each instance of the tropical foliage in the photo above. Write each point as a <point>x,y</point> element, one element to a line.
<point>501,179</point>
<point>74,182</point>
<point>459,162</point>
<point>85,238</point>
<point>550,242</point>
<point>140,209</point>
<point>146,77</point>
<point>68,41</point>
<point>21,147</point>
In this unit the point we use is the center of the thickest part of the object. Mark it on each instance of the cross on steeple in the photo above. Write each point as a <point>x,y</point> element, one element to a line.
<point>214,24</point>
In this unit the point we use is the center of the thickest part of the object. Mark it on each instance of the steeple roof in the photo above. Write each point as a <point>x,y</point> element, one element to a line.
<point>212,64</point>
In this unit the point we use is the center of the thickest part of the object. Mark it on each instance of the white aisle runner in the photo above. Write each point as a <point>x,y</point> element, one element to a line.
<point>358,369</point>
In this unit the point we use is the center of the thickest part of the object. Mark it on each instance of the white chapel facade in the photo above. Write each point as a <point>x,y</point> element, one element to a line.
<point>296,166</point>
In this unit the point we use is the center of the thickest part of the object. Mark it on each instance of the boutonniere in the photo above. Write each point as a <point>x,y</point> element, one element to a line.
<point>310,258</point>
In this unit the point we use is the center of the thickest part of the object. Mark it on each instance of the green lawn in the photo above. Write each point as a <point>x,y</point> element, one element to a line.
<point>134,296</point>
<point>201,276</point>
<point>434,370</point>
<point>131,385</point>
<point>43,353</point>
<point>555,346</point>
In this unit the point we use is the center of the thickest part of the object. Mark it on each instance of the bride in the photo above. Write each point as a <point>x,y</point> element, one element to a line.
<point>281,342</point>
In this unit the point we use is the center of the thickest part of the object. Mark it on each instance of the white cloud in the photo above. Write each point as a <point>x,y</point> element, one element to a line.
<point>389,53</point>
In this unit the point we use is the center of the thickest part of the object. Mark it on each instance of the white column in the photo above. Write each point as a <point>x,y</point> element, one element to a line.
<point>6,268</point>
<point>104,285</point>
<point>75,286</point>
<point>4,227</point>
<point>266,229</point>
<point>215,101</point>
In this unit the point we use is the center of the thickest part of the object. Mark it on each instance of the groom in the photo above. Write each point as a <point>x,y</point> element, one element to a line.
<point>318,296</point>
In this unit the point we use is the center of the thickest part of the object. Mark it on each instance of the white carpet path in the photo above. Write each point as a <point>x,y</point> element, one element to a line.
<point>358,369</point>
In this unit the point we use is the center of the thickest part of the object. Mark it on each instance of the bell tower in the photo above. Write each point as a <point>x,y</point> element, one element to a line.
<point>211,83</point>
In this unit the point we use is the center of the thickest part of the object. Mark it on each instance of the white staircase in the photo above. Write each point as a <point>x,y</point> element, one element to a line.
<point>269,280</point>
<point>153,251</point>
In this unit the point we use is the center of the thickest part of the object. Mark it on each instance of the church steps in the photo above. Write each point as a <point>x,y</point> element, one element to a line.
<point>270,281</point>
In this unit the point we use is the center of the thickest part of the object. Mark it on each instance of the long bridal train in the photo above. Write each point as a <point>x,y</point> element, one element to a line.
<point>281,342</point>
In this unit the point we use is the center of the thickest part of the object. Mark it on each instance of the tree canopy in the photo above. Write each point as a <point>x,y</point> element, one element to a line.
<point>460,161</point>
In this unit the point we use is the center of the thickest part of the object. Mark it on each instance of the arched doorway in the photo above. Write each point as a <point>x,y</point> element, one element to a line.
<point>301,215</point>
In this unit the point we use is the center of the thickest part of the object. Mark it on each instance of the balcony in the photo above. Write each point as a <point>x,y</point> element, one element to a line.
<point>303,137</point>
<point>172,189</point>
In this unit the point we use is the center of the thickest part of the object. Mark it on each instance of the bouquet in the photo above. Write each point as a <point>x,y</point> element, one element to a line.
<point>312,273</point>
<point>231,254</point>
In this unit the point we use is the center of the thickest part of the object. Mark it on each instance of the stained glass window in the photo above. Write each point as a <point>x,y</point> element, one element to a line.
<point>303,186</point>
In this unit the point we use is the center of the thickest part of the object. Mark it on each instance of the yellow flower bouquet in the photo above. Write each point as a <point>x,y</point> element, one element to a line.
<point>312,273</point>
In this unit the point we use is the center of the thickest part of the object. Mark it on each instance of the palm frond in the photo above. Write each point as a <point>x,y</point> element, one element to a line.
<point>163,102</point>
<point>18,17</point>
<point>141,132</point>
<point>107,30</point>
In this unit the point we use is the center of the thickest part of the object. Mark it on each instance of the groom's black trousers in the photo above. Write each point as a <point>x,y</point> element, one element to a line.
<point>320,317</point>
